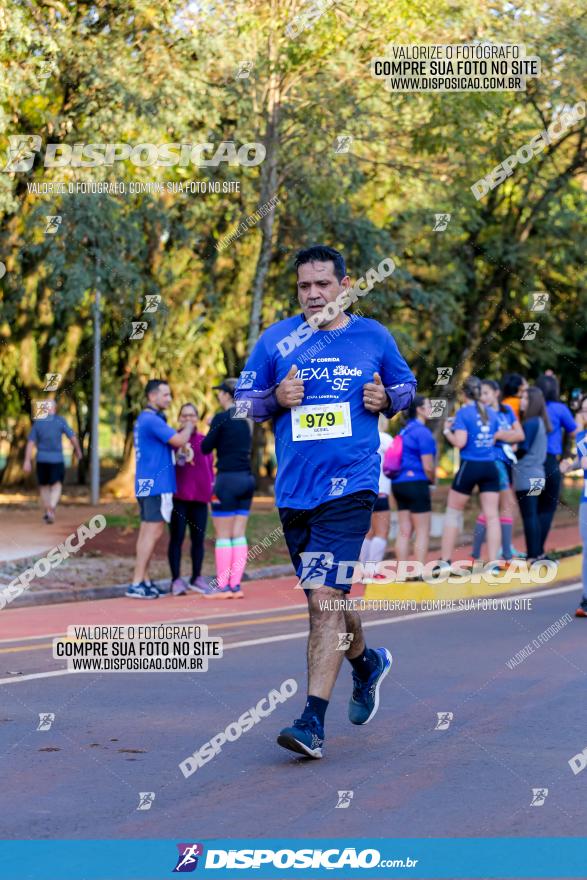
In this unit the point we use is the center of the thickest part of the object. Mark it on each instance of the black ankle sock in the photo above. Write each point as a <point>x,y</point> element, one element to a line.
<point>315,706</point>
<point>365,663</point>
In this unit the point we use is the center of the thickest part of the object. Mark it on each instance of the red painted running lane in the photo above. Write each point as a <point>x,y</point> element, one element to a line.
<point>270,595</point>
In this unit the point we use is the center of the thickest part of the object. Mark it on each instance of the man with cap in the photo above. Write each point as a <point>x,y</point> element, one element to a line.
<point>231,436</point>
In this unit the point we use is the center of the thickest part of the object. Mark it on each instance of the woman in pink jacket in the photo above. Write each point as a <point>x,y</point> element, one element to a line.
<point>194,475</point>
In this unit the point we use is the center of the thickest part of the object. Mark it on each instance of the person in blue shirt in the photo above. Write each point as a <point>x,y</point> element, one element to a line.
<point>411,487</point>
<point>511,432</point>
<point>323,377</point>
<point>566,466</point>
<point>46,434</point>
<point>154,479</point>
<point>473,431</point>
<point>561,420</point>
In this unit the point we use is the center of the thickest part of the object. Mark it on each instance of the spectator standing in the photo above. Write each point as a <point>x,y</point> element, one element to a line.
<point>231,436</point>
<point>529,474</point>
<point>194,476</point>
<point>154,480</point>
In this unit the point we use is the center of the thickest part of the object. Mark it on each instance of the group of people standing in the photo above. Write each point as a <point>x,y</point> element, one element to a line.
<point>511,440</point>
<point>175,484</point>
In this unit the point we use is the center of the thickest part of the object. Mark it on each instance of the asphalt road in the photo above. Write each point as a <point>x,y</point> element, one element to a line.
<point>512,730</point>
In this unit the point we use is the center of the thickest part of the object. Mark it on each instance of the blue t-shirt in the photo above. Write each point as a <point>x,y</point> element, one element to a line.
<point>582,436</point>
<point>561,418</point>
<point>505,421</point>
<point>334,365</point>
<point>47,434</point>
<point>418,440</point>
<point>155,472</point>
<point>479,445</point>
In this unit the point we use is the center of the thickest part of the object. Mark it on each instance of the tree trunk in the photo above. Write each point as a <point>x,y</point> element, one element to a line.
<point>122,485</point>
<point>268,191</point>
<point>13,473</point>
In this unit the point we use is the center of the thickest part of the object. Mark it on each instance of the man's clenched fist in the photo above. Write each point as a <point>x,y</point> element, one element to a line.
<point>374,395</point>
<point>290,391</point>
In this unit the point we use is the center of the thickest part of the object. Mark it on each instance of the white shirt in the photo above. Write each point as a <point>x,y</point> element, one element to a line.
<point>385,442</point>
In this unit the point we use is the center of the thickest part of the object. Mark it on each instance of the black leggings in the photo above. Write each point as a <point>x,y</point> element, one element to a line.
<point>548,498</point>
<point>196,514</point>
<point>529,510</point>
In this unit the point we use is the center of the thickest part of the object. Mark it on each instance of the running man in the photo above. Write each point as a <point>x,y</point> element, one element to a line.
<point>325,412</point>
<point>46,435</point>
<point>154,480</point>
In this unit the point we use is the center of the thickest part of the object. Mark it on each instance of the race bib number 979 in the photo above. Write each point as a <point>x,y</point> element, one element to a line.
<point>321,422</point>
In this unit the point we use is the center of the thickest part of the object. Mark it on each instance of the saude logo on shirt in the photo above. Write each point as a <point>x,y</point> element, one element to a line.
<point>484,438</point>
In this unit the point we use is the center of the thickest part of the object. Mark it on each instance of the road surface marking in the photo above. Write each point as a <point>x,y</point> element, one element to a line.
<point>235,624</point>
<point>156,623</point>
<point>265,640</point>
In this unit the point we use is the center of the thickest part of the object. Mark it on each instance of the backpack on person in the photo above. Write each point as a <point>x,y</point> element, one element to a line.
<point>392,460</point>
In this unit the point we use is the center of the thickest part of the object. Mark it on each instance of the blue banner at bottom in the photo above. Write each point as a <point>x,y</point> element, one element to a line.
<point>476,859</point>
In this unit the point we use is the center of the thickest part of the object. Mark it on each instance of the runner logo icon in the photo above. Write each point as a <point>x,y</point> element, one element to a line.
<point>242,409</point>
<point>41,409</point>
<point>437,408</point>
<point>539,795</point>
<point>315,566</point>
<point>138,329</point>
<point>444,374</point>
<point>146,799</point>
<point>52,381</point>
<point>188,857</point>
<point>338,484</point>
<point>530,330</point>
<point>46,719</point>
<point>444,719</point>
<point>21,151</point>
<point>145,487</point>
<point>344,641</point>
<point>247,378</point>
<point>539,301</point>
<point>344,799</point>
<point>152,301</point>
<point>441,222</point>
<point>537,484</point>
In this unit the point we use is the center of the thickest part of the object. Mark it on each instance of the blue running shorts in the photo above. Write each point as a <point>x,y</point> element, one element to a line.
<point>320,538</point>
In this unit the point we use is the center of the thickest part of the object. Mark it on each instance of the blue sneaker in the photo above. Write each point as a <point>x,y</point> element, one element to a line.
<point>305,736</point>
<point>161,591</point>
<point>365,699</point>
<point>142,591</point>
<point>216,592</point>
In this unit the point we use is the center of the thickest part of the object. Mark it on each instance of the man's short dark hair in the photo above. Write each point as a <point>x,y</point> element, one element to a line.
<point>153,385</point>
<point>321,253</point>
